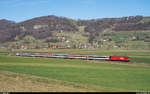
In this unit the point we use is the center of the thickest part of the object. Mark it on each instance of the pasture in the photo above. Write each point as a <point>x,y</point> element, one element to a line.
<point>80,75</point>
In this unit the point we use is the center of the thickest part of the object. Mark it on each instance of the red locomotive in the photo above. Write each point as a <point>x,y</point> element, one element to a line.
<point>119,58</point>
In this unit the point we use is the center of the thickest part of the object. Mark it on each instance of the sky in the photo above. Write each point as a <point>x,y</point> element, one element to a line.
<point>20,10</point>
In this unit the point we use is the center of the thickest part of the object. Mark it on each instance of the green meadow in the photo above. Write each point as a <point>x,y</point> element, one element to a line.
<point>95,75</point>
<point>109,76</point>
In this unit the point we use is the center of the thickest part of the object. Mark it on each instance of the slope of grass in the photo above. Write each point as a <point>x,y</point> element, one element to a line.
<point>124,77</point>
<point>145,20</point>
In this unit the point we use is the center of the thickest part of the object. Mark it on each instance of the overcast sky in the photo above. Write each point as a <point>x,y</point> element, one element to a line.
<point>20,10</point>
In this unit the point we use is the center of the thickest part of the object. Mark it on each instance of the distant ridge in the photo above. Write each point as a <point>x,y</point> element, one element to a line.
<point>44,26</point>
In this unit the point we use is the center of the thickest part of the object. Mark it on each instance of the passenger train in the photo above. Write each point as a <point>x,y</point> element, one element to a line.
<point>83,57</point>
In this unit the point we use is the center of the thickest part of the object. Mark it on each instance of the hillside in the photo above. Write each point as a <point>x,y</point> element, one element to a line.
<point>39,28</point>
<point>58,30</point>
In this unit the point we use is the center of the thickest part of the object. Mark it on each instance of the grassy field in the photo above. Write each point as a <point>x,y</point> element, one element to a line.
<point>28,83</point>
<point>76,75</point>
<point>86,75</point>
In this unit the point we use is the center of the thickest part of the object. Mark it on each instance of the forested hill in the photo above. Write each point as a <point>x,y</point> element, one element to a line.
<point>45,26</point>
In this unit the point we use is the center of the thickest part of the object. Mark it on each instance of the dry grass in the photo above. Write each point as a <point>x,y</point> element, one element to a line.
<point>13,82</point>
